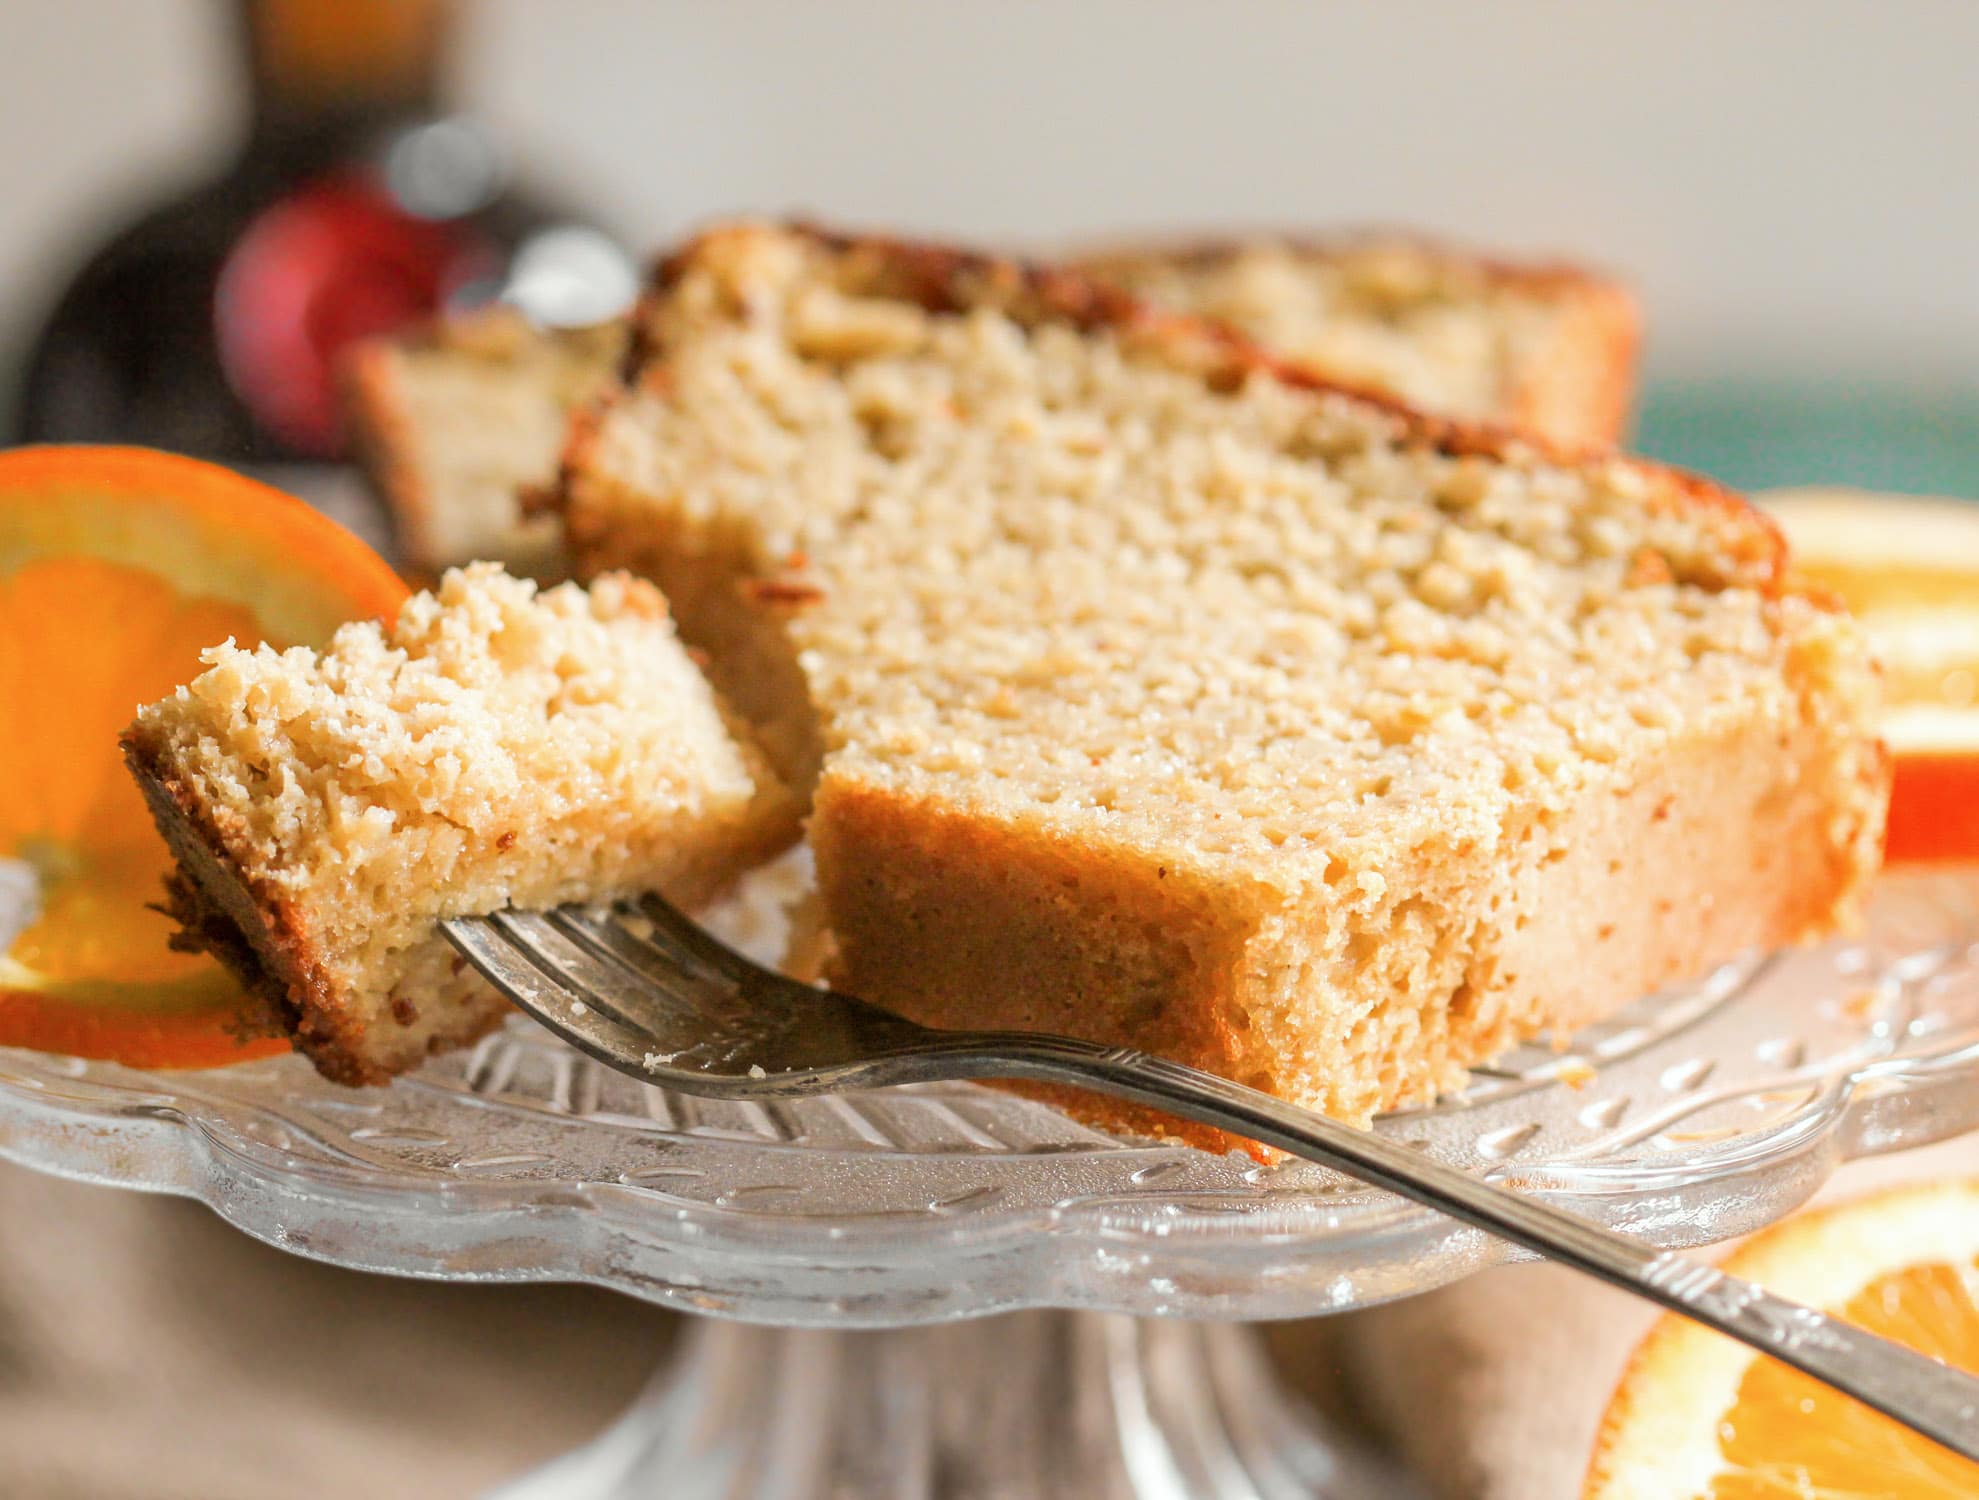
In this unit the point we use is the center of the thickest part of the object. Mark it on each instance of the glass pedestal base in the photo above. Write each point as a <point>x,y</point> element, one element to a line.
<point>1027,1406</point>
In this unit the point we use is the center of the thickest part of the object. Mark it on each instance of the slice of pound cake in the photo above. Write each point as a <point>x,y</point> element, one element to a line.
<point>1547,348</point>
<point>1152,691</point>
<point>455,421</point>
<point>494,747</point>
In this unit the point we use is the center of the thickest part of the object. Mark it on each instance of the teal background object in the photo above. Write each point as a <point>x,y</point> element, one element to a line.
<point>1760,433</point>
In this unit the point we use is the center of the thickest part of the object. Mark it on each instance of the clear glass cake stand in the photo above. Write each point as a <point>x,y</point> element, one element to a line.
<point>834,1248</point>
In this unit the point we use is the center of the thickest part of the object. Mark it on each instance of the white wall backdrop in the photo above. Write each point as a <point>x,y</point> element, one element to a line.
<point>1793,183</point>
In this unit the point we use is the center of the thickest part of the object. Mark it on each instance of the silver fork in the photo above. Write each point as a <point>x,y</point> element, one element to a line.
<point>647,991</point>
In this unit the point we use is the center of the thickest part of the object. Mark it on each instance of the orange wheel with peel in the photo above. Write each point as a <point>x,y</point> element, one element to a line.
<point>1909,570</point>
<point>118,566</point>
<point>1699,1417</point>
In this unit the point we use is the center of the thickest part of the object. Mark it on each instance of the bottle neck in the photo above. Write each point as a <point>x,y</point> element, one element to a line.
<point>326,74</point>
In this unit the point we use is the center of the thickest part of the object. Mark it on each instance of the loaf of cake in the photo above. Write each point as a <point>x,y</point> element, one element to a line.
<point>495,747</point>
<point>1149,689</point>
<point>456,421</point>
<point>1547,348</point>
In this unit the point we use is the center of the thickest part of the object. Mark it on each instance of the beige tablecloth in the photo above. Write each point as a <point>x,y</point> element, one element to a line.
<point>149,1350</point>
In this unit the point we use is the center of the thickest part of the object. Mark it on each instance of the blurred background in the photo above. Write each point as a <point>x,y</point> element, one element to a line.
<point>1786,183</point>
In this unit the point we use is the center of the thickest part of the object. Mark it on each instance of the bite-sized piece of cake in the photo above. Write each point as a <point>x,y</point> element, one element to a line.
<point>1547,348</point>
<point>1154,692</point>
<point>455,421</point>
<point>495,747</point>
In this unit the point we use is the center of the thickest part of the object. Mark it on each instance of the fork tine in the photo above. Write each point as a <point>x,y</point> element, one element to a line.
<point>602,983</point>
<point>640,984</point>
<point>633,978</point>
<point>688,945</point>
<point>504,951</point>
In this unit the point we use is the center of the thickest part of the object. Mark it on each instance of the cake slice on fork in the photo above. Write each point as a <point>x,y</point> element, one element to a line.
<point>494,747</point>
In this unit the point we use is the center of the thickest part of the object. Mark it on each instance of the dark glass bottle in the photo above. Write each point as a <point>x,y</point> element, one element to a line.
<point>356,203</point>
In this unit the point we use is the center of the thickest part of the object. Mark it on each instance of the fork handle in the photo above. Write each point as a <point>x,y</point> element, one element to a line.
<point>1921,1393</point>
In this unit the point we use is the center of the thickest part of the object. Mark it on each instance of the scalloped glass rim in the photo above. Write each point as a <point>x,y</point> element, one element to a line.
<point>1688,1118</point>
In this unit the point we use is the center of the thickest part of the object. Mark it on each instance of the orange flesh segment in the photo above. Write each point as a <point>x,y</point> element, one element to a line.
<point>1698,1415</point>
<point>1790,1436</point>
<point>1923,618</point>
<point>93,974</point>
<point>66,803</point>
<point>118,566</point>
<point>1934,808</point>
<point>223,1027</point>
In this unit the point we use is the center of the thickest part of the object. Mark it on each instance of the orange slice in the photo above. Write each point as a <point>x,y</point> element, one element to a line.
<point>1909,570</point>
<point>118,566</point>
<point>1700,1417</point>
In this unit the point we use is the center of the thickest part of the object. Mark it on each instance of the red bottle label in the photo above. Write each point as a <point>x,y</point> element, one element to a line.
<point>335,261</point>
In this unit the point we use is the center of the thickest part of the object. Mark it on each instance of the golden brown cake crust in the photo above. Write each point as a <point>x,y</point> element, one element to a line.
<point>382,441</point>
<point>920,933</point>
<point>1587,387</point>
<point>260,937</point>
<point>455,420</point>
<point>1543,275</point>
<point>1575,391</point>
